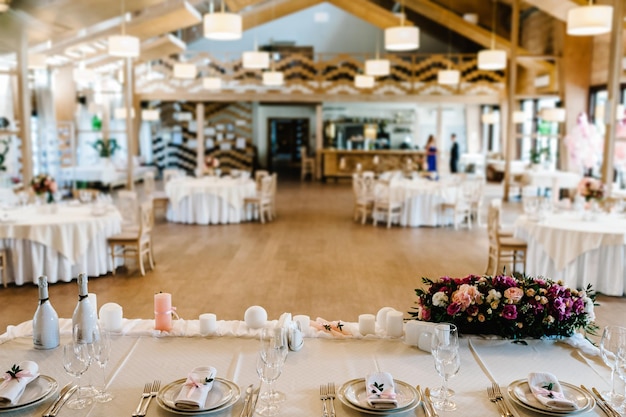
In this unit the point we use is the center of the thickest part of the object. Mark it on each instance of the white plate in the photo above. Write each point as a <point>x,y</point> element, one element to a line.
<point>519,391</point>
<point>354,395</point>
<point>34,393</point>
<point>223,394</point>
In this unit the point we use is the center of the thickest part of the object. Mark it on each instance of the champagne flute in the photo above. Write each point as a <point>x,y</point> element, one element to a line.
<point>269,368</point>
<point>274,345</point>
<point>75,363</point>
<point>612,338</point>
<point>445,351</point>
<point>100,350</point>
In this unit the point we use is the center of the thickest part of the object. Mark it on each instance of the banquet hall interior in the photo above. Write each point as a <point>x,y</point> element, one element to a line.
<point>278,153</point>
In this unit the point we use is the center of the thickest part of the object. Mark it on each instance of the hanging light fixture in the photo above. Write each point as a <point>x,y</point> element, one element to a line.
<point>123,46</point>
<point>255,59</point>
<point>589,20</point>
<point>377,67</point>
<point>402,38</point>
<point>519,117</point>
<point>363,81</point>
<point>185,70</point>
<point>120,113</point>
<point>212,83</point>
<point>150,115</point>
<point>490,118</point>
<point>492,59</point>
<point>222,26</point>
<point>83,75</point>
<point>273,78</point>
<point>553,114</point>
<point>449,76</point>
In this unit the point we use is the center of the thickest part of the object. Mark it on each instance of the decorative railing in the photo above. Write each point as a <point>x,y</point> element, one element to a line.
<point>414,74</point>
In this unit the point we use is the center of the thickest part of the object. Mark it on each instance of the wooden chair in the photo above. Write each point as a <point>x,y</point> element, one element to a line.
<point>385,206</point>
<point>159,198</point>
<point>258,177</point>
<point>473,189</point>
<point>363,188</point>
<point>135,245</point>
<point>128,206</point>
<point>308,164</point>
<point>503,250</point>
<point>3,267</point>
<point>460,207</point>
<point>85,195</point>
<point>262,201</point>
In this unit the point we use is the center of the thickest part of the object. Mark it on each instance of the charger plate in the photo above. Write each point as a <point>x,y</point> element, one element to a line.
<point>354,395</point>
<point>35,392</point>
<point>224,394</point>
<point>520,393</point>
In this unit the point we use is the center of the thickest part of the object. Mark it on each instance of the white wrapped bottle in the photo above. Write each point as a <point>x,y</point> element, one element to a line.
<point>84,319</point>
<point>45,320</point>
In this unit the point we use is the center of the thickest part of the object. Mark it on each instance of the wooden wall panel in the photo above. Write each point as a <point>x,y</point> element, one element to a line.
<point>64,90</point>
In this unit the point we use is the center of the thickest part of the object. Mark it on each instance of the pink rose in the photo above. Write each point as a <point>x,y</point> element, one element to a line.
<point>514,294</point>
<point>466,295</point>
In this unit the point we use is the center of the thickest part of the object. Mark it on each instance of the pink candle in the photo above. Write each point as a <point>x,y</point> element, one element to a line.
<point>163,311</point>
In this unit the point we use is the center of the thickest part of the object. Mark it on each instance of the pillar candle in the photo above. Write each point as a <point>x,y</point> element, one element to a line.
<point>111,317</point>
<point>163,311</point>
<point>367,324</point>
<point>411,332</point>
<point>394,324</point>
<point>208,324</point>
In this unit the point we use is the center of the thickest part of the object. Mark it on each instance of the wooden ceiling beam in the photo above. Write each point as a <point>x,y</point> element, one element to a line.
<point>236,6</point>
<point>555,8</point>
<point>370,12</point>
<point>273,10</point>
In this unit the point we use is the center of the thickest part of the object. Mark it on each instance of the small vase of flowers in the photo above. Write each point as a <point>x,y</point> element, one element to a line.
<point>106,147</point>
<point>44,187</point>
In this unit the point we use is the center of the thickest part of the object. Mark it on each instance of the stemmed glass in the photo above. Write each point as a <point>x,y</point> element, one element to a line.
<point>269,368</point>
<point>620,369</point>
<point>274,346</point>
<point>100,350</point>
<point>612,338</point>
<point>445,350</point>
<point>76,363</point>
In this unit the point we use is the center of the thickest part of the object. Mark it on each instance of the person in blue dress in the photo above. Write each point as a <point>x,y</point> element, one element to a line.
<point>431,154</point>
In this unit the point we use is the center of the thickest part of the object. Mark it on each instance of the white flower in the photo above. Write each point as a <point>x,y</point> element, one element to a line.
<point>589,308</point>
<point>493,295</point>
<point>440,299</point>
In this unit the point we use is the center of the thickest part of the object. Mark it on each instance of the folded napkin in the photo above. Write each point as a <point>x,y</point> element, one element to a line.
<point>381,391</point>
<point>15,381</point>
<point>547,390</point>
<point>192,395</point>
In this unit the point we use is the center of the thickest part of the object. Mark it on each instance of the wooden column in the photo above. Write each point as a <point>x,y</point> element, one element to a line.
<point>613,87</point>
<point>23,93</point>
<point>511,91</point>
<point>199,139</point>
<point>319,141</point>
<point>130,136</point>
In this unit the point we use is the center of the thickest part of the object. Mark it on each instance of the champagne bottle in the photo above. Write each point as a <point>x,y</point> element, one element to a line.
<point>84,319</point>
<point>45,320</point>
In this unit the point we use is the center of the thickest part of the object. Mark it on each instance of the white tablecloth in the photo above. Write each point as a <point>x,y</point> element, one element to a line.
<point>59,245</point>
<point>577,251</point>
<point>422,201</point>
<point>107,174</point>
<point>547,178</point>
<point>138,359</point>
<point>208,200</point>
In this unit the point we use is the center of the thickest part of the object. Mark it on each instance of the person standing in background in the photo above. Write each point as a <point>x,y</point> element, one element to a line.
<point>454,155</point>
<point>431,154</point>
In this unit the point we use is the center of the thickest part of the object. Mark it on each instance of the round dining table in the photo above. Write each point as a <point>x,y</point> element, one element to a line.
<point>422,199</point>
<point>57,240</point>
<point>208,200</point>
<point>571,247</point>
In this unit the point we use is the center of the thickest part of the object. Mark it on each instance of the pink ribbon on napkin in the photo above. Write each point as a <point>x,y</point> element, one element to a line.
<point>21,374</point>
<point>193,384</point>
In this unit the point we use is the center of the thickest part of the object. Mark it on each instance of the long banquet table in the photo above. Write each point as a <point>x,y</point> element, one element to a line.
<point>565,247</point>
<point>208,200</point>
<point>57,244</point>
<point>140,355</point>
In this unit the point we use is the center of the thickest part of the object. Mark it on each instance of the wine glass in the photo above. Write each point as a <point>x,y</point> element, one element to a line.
<point>620,369</point>
<point>100,350</point>
<point>274,345</point>
<point>445,350</point>
<point>612,338</point>
<point>76,363</point>
<point>269,368</point>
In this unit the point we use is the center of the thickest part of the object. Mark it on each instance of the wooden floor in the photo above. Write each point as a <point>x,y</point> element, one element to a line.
<point>312,260</point>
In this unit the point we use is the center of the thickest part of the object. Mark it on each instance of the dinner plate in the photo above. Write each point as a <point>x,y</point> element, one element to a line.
<point>354,395</point>
<point>34,393</point>
<point>223,394</point>
<point>519,391</point>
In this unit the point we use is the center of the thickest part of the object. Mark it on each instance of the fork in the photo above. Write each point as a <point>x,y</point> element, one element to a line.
<point>153,392</point>
<point>144,395</point>
<point>324,397</point>
<point>500,398</point>
<point>330,394</point>
<point>494,399</point>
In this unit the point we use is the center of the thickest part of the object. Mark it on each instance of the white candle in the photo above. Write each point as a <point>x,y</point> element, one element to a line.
<point>304,321</point>
<point>111,317</point>
<point>381,317</point>
<point>208,324</point>
<point>367,324</point>
<point>411,332</point>
<point>394,324</point>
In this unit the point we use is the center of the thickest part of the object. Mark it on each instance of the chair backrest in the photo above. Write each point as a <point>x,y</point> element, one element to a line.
<point>493,223</point>
<point>148,183</point>
<point>85,194</point>
<point>128,205</point>
<point>274,183</point>
<point>258,176</point>
<point>267,186</point>
<point>146,217</point>
<point>169,174</point>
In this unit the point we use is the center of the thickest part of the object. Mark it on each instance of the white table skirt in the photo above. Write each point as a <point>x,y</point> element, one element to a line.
<point>136,360</point>
<point>424,210</point>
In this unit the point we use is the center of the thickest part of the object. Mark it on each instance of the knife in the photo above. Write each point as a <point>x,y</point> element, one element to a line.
<point>253,400</point>
<point>64,395</point>
<point>431,407</point>
<point>246,401</point>
<point>424,405</point>
<point>605,402</point>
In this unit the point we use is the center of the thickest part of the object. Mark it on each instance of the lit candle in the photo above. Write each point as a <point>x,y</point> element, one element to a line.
<point>367,324</point>
<point>163,311</point>
<point>394,324</point>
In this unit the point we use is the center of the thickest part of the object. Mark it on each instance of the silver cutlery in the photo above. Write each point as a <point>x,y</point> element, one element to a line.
<point>153,393</point>
<point>145,394</point>
<point>246,401</point>
<point>324,397</point>
<point>423,397</point>
<point>429,402</point>
<point>330,393</point>
<point>609,408</point>
<point>500,398</point>
<point>65,393</point>
<point>253,401</point>
<point>598,402</point>
<point>494,399</point>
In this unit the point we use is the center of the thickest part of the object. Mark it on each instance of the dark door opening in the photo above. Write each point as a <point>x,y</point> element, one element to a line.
<point>285,137</point>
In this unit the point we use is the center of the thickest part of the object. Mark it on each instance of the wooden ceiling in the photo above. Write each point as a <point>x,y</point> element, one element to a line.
<point>56,26</point>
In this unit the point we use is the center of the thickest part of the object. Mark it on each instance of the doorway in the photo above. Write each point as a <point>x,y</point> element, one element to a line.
<point>285,137</point>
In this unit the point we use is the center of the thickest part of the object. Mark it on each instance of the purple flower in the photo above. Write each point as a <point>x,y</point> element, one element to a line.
<point>504,282</point>
<point>509,312</point>
<point>453,309</point>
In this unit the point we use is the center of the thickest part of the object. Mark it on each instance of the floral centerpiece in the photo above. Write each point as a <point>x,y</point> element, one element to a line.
<point>591,189</point>
<point>512,307</point>
<point>211,165</point>
<point>106,147</point>
<point>44,185</point>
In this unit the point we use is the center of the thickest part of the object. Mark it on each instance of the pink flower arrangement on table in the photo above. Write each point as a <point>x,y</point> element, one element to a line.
<point>44,184</point>
<point>591,188</point>
<point>512,307</point>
